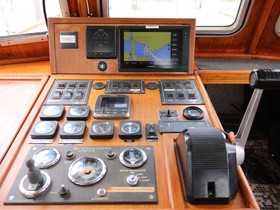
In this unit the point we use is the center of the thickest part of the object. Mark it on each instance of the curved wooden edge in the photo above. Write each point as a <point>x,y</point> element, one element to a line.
<point>248,194</point>
<point>209,106</point>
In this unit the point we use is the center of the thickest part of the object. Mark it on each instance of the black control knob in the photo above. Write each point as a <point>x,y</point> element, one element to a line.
<point>63,190</point>
<point>102,66</point>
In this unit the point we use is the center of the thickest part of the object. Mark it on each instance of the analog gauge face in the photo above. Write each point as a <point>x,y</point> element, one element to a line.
<point>130,127</point>
<point>133,157</point>
<point>78,111</point>
<point>51,110</point>
<point>87,170</point>
<point>44,127</point>
<point>46,157</point>
<point>72,127</point>
<point>102,127</point>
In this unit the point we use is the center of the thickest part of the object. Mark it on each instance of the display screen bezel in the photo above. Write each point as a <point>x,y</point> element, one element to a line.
<point>179,64</point>
<point>113,103</point>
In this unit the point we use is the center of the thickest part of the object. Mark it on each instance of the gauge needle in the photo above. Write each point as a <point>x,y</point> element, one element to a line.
<point>101,129</point>
<point>84,172</point>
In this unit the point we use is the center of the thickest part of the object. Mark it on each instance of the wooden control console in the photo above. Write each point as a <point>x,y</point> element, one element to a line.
<point>69,62</point>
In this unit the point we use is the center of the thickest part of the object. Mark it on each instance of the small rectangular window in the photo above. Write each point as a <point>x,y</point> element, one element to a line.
<point>212,16</point>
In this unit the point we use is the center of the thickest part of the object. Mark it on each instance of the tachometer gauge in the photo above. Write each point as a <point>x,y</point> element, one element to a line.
<point>130,130</point>
<point>133,157</point>
<point>102,130</point>
<point>87,170</point>
<point>46,157</point>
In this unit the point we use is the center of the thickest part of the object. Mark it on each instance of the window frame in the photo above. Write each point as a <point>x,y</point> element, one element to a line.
<point>32,37</point>
<point>211,31</point>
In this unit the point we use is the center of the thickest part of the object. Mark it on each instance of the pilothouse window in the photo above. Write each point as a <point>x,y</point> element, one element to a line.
<point>18,17</point>
<point>212,16</point>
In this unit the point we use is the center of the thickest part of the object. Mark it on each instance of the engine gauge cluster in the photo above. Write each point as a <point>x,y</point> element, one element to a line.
<point>112,174</point>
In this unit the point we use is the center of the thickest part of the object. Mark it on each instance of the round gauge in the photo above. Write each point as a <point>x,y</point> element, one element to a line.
<point>44,127</point>
<point>72,127</point>
<point>51,110</point>
<point>46,157</point>
<point>130,127</point>
<point>101,127</point>
<point>78,111</point>
<point>133,157</point>
<point>87,170</point>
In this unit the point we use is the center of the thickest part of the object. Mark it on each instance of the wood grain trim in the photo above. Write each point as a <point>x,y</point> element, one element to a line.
<point>248,194</point>
<point>266,11</point>
<point>224,76</point>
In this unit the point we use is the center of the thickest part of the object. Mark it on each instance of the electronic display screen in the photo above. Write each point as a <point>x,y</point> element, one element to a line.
<point>165,48</point>
<point>113,102</point>
<point>100,42</point>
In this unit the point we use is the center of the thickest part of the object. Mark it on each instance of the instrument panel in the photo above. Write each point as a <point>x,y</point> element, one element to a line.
<point>84,175</point>
<point>60,151</point>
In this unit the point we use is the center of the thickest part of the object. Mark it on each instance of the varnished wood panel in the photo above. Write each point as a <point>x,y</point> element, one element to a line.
<point>17,96</point>
<point>74,61</point>
<point>269,42</point>
<point>224,76</point>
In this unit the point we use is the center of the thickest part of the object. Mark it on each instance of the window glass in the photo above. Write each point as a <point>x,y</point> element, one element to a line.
<point>208,13</point>
<point>25,16</point>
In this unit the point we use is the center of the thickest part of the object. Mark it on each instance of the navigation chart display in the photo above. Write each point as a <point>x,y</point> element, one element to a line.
<point>162,49</point>
<point>147,46</point>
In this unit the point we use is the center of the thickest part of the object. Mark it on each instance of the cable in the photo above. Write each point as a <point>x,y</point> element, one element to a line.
<point>45,12</point>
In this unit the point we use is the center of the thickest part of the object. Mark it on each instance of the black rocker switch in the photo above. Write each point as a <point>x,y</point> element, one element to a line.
<point>151,132</point>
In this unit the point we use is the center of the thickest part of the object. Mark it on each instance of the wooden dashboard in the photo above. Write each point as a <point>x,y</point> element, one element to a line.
<point>72,65</point>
